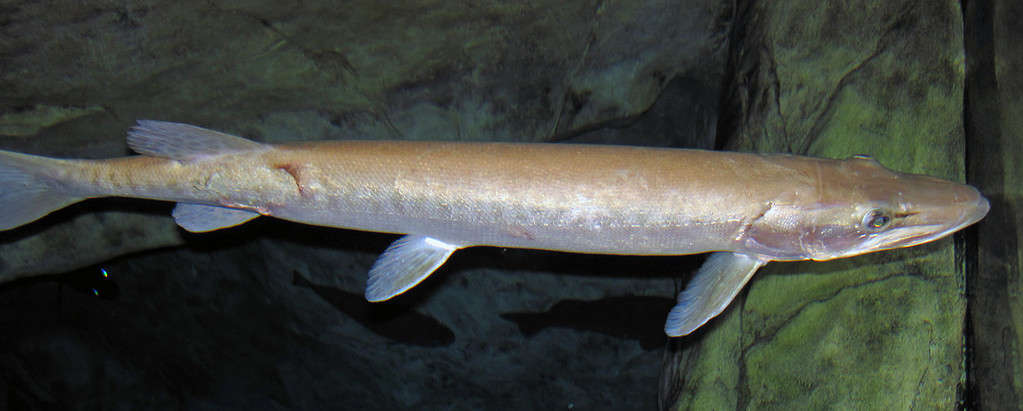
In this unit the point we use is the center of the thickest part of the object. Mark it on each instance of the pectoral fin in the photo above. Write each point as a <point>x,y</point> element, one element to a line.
<point>404,264</point>
<point>715,286</point>
<point>200,218</point>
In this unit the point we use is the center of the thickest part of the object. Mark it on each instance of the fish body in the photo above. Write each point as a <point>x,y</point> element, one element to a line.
<point>749,208</point>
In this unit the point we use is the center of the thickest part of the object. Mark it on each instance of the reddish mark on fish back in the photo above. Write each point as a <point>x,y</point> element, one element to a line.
<point>295,172</point>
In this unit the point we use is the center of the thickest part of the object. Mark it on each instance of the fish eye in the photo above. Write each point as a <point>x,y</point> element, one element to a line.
<point>876,220</point>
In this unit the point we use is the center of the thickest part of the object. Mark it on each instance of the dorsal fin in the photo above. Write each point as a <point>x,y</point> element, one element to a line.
<point>183,141</point>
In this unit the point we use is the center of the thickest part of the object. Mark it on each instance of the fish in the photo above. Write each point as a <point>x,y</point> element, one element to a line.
<point>398,322</point>
<point>746,209</point>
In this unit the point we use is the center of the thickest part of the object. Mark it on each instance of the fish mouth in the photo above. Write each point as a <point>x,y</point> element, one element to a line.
<point>969,215</point>
<point>923,233</point>
<point>933,225</point>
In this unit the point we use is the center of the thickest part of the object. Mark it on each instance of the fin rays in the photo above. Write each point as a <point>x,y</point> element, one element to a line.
<point>405,263</point>
<point>26,194</point>
<point>200,218</point>
<point>183,141</point>
<point>715,285</point>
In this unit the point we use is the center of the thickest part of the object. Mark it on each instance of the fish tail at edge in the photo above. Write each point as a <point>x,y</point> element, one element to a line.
<point>27,190</point>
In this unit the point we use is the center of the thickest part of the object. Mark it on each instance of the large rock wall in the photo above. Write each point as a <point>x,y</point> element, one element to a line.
<point>877,331</point>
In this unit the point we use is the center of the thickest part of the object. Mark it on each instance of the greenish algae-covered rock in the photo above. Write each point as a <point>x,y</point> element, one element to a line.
<point>871,333</point>
<point>877,331</point>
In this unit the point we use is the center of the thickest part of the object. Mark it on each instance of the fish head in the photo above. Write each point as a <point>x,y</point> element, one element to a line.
<point>858,206</point>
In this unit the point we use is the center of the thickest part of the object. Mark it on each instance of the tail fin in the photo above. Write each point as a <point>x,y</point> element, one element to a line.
<point>26,192</point>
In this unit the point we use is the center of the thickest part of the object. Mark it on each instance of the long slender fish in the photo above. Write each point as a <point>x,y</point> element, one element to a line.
<point>748,209</point>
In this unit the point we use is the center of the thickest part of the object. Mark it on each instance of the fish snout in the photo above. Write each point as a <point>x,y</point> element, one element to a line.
<point>964,207</point>
<point>974,207</point>
<point>930,209</point>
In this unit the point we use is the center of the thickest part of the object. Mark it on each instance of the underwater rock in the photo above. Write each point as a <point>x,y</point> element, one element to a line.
<point>218,323</point>
<point>30,121</point>
<point>882,330</point>
<point>398,322</point>
<point>994,124</point>
<point>638,318</point>
<point>83,235</point>
<point>532,72</point>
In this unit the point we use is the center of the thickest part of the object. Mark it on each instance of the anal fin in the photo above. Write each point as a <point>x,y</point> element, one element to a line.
<point>715,285</point>
<point>405,263</point>
<point>200,218</point>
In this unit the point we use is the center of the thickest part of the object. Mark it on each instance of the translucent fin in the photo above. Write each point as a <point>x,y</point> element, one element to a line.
<point>404,264</point>
<point>200,218</point>
<point>25,192</point>
<point>715,286</point>
<point>184,142</point>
